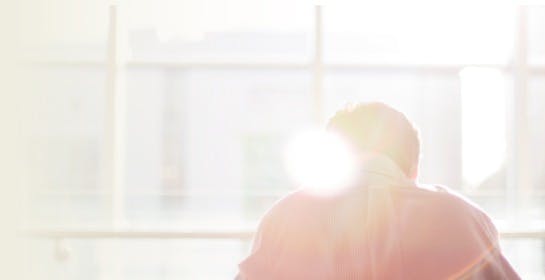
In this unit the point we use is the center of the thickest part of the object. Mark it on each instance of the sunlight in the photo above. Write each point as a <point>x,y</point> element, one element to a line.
<point>483,131</point>
<point>320,161</point>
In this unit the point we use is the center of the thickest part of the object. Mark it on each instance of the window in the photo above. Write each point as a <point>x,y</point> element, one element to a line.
<point>182,152</point>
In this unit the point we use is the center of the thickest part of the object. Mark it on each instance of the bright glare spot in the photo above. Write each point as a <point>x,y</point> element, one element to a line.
<point>483,123</point>
<point>320,161</point>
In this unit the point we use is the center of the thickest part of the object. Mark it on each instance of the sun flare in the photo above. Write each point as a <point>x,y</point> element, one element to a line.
<point>320,161</point>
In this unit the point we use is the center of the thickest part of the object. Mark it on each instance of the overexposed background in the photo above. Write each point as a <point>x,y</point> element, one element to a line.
<point>154,131</point>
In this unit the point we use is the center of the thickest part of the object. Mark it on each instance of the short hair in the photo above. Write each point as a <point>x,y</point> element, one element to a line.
<point>378,128</point>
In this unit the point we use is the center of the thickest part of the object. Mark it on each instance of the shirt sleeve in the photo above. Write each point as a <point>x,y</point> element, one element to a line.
<point>259,259</point>
<point>493,265</point>
<point>282,241</point>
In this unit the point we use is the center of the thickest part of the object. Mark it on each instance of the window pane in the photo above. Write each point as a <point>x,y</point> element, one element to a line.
<point>534,195</point>
<point>205,146</point>
<point>536,37</point>
<point>484,138</point>
<point>64,148</point>
<point>418,31</point>
<point>212,30</point>
<point>526,255</point>
<point>66,30</point>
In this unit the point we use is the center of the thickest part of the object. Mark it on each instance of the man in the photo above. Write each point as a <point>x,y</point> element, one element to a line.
<point>383,227</point>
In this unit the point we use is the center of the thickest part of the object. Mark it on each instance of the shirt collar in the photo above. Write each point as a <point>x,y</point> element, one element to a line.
<point>379,170</point>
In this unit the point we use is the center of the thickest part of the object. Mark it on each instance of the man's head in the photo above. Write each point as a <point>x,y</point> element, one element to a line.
<point>378,128</point>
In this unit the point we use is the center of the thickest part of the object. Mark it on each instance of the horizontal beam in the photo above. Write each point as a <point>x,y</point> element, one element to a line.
<point>234,234</point>
<point>216,193</point>
<point>537,234</point>
<point>138,234</point>
<point>441,67</point>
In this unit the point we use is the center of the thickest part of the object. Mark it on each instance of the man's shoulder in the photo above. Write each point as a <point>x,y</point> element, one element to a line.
<point>448,200</point>
<point>292,204</point>
<point>448,195</point>
<point>300,200</point>
<point>297,210</point>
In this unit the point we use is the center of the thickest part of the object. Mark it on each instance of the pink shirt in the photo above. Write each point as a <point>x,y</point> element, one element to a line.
<point>386,228</point>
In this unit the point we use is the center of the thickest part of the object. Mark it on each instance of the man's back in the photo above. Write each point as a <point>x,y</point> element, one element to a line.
<point>384,228</point>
